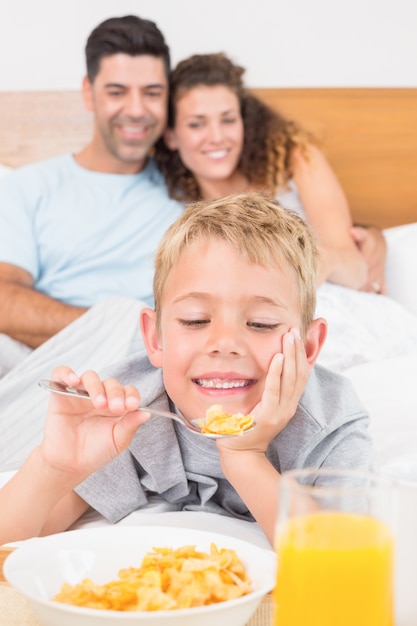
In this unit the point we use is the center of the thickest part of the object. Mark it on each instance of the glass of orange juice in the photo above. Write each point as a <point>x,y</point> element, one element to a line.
<point>335,548</point>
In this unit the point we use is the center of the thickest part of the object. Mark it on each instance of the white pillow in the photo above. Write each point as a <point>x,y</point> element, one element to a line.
<point>387,390</point>
<point>402,265</point>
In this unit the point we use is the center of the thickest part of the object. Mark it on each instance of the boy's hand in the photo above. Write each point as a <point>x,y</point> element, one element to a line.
<point>83,435</point>
<point>285,382</point>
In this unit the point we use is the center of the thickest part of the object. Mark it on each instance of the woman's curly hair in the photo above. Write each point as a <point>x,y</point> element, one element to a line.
<point>269,137</point>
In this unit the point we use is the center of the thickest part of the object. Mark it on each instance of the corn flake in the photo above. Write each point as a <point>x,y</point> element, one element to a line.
<point>218,422</point>
<point>167,579</point>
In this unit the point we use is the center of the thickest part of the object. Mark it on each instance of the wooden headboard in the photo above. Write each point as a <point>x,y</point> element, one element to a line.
<point>368,135</point>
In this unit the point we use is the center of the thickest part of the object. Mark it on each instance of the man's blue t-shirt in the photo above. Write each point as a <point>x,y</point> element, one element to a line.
<point>84,235</point>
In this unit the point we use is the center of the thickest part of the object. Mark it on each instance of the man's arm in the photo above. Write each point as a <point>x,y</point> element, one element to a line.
<point>27,315</point>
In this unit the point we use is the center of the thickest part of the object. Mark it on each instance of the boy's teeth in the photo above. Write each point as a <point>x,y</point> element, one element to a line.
<point>221,384</point>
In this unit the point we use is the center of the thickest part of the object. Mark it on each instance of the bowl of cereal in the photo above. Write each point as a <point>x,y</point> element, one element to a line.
<point>142,575</point>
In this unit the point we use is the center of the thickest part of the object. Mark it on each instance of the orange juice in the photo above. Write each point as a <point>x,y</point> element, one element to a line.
<point>334,569</point>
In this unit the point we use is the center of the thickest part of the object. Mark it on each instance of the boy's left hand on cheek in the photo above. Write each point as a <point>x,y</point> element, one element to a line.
<point>284,384</point>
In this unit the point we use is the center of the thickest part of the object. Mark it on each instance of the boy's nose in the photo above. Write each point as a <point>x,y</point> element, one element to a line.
<point>226,340</point>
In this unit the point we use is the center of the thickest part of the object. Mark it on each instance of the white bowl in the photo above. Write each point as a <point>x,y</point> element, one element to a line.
<point>39,567</point>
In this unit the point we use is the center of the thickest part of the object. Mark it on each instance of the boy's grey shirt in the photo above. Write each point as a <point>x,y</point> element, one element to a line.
<point>329,429</point>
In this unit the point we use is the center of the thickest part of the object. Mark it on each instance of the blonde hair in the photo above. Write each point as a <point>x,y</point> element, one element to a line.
<point>258,227</point>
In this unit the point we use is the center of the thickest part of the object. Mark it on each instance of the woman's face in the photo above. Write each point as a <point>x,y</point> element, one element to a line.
<point>208,132</point>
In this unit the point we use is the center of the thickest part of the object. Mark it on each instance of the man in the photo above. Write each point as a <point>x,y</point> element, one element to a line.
<point>78,230</point>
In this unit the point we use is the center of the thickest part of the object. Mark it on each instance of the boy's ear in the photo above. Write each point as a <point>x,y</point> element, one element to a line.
<point>87,92</point>
<point>170,139</point>
<point>315,337</point>
<point>150,336</point>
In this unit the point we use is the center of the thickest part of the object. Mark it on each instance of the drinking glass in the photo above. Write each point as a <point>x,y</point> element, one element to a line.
<point>335,549</point>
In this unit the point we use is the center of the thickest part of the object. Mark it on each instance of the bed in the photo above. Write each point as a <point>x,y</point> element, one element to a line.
<point>369,137</point>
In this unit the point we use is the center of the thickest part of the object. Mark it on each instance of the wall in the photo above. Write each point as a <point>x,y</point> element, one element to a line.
<point>282,43</point>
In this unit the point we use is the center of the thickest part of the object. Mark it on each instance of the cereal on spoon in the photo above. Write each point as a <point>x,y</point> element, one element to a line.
<point>217,422</point>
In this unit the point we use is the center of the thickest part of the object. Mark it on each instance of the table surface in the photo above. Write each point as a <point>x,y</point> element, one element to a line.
<point>15,611</point>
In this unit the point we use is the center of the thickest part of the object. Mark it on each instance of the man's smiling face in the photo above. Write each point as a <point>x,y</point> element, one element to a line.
<point>129,100</point>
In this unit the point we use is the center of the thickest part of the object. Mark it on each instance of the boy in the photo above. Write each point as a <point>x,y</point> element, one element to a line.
<point>233,324</point>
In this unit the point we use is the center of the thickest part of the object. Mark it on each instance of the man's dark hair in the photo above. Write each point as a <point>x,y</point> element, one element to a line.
<point>129,35</point>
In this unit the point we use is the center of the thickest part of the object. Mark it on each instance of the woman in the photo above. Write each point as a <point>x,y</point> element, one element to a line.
<point>221,139</point>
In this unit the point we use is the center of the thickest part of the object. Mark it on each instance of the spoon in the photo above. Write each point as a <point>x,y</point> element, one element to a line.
<point>67,390</point>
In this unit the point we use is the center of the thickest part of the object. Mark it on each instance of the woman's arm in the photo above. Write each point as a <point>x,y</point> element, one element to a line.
<point>327,211</point>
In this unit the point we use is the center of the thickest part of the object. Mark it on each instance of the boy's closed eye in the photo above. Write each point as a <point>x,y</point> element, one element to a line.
<point>259,326</point>
<point>264,326</point>
<point>193,322</point>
